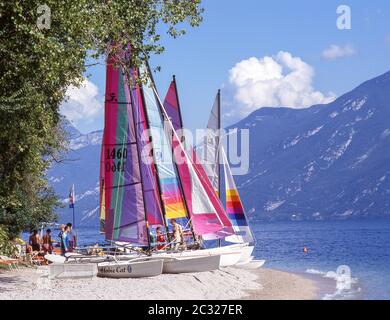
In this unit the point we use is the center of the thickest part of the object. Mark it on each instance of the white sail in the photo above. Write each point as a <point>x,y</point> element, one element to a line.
<point>209,150</point>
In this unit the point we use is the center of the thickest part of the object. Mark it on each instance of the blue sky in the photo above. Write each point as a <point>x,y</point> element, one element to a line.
<point>234,31</point>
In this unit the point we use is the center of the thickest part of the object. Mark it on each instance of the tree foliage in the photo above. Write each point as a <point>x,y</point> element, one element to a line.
<point>6,247</point>
<point>38,65</point>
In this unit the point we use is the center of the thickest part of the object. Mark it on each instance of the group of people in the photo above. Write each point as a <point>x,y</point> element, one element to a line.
<point>67,240</point>
<point>177,233</point>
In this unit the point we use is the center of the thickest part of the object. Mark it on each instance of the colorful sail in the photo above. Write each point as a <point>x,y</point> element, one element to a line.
<point>206,211</point>
<point>122,183</point>
<point>234,208</point>
<point>172,198</point>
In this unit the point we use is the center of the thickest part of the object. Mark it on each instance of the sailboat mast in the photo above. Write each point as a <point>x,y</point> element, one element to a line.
<point>219,142</point>
<point>219,148</point>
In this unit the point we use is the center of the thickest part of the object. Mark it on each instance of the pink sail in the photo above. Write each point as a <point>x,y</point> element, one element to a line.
<point>171,105</point>
<point>207,213</point>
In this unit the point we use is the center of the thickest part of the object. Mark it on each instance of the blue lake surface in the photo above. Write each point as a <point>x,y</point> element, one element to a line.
<point>362,245</point>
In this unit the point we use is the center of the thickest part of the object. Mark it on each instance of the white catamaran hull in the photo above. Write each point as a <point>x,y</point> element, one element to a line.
<point>251,265</point>
<point>55,258</point>
<point>246,255</point>
<point>130,269</point>
<point>191,264</point>
<point>229,256</point>
<point>72,271</point>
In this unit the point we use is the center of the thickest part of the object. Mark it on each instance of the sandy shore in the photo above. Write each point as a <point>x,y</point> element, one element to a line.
<point>227,283</point>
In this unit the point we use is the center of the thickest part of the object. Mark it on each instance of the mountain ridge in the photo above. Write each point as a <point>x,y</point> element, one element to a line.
<point>343,135</point>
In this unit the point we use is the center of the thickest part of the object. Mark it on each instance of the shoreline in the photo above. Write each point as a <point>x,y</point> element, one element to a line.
<point>224,284</point>
<point>282,285</point>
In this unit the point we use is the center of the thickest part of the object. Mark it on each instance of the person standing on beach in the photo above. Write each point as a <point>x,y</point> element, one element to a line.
<point>47,243</point>
<point>35,241</point>
<point>177,233</point>
<point>65,241</point>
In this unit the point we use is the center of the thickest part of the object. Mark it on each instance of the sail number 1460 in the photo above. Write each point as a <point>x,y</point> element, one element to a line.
<point>113,154</point>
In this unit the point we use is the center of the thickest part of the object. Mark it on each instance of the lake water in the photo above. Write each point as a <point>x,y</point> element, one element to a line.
<point>363,246</point>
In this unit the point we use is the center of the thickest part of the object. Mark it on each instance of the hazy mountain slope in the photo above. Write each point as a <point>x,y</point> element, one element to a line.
<point>328,161</point>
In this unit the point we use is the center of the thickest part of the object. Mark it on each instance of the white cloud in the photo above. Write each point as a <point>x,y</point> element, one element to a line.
<point>278,81</point>
<point>336,52</point>
<point>82,103</point>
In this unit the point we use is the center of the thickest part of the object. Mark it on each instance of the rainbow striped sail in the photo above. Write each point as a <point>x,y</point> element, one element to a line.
<point>234,208</point>
<point>172,198</point>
